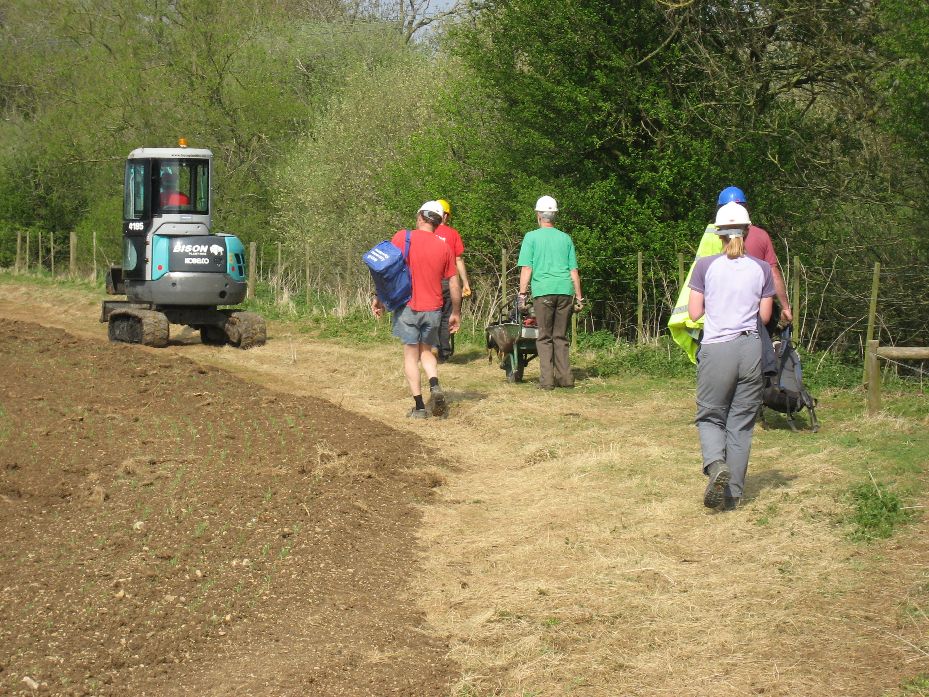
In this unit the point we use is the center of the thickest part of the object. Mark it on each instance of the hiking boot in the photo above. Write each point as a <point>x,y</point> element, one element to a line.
<point>716,486</point>
<point>730,503</point>
<point>417,414</point>
<point>437,403</point>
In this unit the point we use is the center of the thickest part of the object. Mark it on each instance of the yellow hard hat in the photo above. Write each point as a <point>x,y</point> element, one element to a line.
<point>446,206</point>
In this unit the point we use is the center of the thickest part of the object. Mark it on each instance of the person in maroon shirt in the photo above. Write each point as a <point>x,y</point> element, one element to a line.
<point>451,237</point>
<point>758,244</point>
<point>417,323</point>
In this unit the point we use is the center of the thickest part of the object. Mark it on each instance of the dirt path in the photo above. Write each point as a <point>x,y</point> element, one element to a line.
<point>567,551</point>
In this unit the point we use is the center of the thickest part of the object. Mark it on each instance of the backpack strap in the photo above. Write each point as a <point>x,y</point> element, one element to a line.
<point>406,248</point>
<point>783,355</point>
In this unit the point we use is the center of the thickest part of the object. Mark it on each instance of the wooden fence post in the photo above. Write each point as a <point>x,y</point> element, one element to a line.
<point>39,246</point>
<point>250,292</point>
<point>306,260</point>
<point>51,252</point>
<point>680,271</point>
<point>872,369</point>
<point>19,251</point>
<point>872,316</point>
<point>639,315</point>
<point>503,265</point>
<point>72,254</point>
<point>94,242</point>
<point>279,285</point>
<point>574,331</point>
<point>28,239</point>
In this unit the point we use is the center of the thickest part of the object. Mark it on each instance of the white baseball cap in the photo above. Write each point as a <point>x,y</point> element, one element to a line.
<point>432,207</point>
<point>546,204</point>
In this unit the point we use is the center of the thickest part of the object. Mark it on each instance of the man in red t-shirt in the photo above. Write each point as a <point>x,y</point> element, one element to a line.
<point>170,196</point>
<point>451,237</point>
<point>417,323</point>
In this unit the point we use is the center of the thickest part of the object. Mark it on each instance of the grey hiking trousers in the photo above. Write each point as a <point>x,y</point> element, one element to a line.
<point>728,396</point>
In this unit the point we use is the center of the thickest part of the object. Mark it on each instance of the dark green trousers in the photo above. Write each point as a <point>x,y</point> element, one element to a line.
<point>553,314</point>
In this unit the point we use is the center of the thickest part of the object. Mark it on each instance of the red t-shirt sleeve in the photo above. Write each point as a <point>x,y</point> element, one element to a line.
<point>457,245</point>
<point>769,255</point>
<point>399,239</point>
<point>452,239</point>
<point>758,244</point>
<point>450,268</point>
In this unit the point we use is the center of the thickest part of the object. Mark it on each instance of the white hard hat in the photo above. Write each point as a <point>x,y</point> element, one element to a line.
<point>546,204</point>
<point>432,207</point>
<point>732,216</point>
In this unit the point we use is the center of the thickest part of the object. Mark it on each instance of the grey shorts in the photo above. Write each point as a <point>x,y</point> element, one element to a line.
<point>413,327</point>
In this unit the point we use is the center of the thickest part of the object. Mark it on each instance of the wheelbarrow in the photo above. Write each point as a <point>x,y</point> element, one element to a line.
<point>513,338</point>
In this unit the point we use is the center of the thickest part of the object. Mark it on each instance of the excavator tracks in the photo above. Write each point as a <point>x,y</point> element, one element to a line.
<point>134,326</point>
<point>246,330</point>
<point>131,324</point>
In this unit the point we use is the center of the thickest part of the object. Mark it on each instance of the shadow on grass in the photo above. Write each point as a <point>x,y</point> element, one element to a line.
<point>463,356</point>
<point>455,396</point>
<point>775,421</point>
<point>768,479</point>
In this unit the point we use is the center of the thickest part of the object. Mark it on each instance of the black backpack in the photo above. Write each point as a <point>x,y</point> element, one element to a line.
<point>784,391</point>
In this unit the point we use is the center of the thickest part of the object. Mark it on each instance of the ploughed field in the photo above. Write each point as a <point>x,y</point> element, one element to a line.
<point>169,528</point>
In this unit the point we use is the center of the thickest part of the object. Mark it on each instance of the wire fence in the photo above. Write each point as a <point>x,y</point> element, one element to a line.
<point>631,297</point>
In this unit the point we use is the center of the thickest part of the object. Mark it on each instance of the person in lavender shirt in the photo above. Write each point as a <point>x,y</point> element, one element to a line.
<point>733,290</point>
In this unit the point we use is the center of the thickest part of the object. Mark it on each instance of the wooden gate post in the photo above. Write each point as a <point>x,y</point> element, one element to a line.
<point>306,259</point>
<point>503,290</point>
<point>19,251</point>
<point>252,251</point>
<point>574,332</point>
<point>639,314</point>
<point>72,255</point>
<point>872,316</point>
<point>874,380</point>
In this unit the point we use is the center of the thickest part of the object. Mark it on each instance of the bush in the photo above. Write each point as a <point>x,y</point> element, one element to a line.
<point>824,369</point>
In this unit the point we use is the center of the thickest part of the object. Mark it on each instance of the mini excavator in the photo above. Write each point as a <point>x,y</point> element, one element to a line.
<point>175,269</point>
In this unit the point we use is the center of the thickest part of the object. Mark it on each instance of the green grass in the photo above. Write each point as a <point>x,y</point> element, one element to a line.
<point>45,279</point>
<point>661,358</point>
<point>5,425</point>
<point>598,352</point>
<point>877,511</point>
<point>917,686</point>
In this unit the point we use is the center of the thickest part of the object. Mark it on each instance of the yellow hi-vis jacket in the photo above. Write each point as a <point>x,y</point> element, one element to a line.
<point>684,330</point>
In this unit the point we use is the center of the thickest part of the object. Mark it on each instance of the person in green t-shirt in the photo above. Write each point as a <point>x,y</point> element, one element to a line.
<point>549,264</point>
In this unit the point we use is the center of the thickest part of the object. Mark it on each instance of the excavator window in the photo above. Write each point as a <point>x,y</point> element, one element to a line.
<point>182,186</point>
<point>134,203</point>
